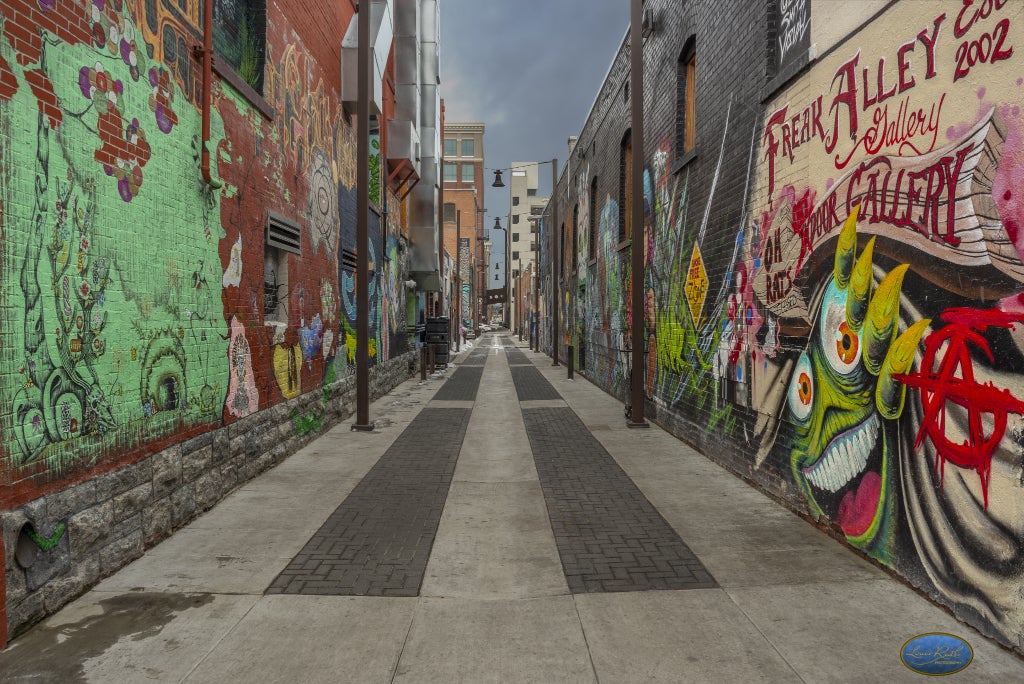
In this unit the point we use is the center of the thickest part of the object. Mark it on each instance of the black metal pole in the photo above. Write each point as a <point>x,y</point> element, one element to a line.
<point>363,226</point>
<point>556,266</point>
<point>637,238</point>
<point>458,280</point>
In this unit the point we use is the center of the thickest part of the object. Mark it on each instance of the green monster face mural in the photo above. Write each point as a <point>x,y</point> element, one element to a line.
<point>843,398</point>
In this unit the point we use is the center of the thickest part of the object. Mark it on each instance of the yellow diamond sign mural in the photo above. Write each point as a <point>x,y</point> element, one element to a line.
<point>696,285</point>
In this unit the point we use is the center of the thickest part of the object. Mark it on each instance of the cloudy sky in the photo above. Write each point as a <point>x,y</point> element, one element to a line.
<point>529,70</point>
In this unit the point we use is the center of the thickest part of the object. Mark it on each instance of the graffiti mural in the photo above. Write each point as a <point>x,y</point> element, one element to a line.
<point>118,340</point>
<point>834,290</point>
<point>884,277</point>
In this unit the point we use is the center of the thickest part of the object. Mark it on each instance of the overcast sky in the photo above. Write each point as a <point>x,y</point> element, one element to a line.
<point>529,70</point>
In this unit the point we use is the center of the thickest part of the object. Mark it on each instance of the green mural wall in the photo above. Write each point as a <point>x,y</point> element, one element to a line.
<point>113,331</point>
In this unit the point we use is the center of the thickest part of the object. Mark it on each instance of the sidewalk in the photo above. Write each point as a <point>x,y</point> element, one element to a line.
<point>500,524</point>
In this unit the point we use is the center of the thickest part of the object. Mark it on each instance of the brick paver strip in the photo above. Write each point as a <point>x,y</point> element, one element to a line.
<point>379,539</point>
<point>516,357</point>
<point>463,384</point>
<point>609,536</point>
<point>531,385</point>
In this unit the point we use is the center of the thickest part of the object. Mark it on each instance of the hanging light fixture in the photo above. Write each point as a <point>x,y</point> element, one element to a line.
<point>497,180</point>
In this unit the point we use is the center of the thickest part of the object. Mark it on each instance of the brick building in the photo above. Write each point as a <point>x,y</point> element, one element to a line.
<point>833,278</point>
<point>174,323</point>
<point>463,177</point>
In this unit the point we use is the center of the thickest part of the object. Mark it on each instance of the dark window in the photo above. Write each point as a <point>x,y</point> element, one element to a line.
<point>240,37</point>
<point>449,212</point>
<point>575,229</point>
<point>625,186</point>
<point>515,255</point>
<point>593,218</point>
<point>531,192</point>
<point>515,218</point>
<point>515,237</point>
<point>686,98</point>
<point>561,251</point>
<point>515,201</point>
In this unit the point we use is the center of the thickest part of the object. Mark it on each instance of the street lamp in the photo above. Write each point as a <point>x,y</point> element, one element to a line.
<point>497,226</point>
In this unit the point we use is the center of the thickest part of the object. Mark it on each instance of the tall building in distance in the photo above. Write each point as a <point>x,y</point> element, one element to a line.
<point>463,177</point>
<point>522,230</point>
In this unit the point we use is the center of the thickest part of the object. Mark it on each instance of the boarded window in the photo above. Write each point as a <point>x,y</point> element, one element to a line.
<point>686,99</point>
<point>625,187</point>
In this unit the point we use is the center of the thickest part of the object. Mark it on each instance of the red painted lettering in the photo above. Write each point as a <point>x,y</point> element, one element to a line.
<point>929,44</point>
<point>904,65</point>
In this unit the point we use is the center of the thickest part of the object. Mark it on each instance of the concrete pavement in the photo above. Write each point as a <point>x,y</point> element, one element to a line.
<point>501,596</point>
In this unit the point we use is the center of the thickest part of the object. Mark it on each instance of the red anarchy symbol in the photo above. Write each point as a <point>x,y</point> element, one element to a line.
<point>953,381</point>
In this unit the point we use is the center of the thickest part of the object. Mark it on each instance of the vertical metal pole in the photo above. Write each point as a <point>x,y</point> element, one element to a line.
<point>458,279</point>
<point>363,226</point>
<point>507,318</point>
<point>556,258</point>
<point>637,237</point>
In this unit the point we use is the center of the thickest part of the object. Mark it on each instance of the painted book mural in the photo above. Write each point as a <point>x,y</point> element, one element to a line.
<point>881,307</point>
<point>834,302</point>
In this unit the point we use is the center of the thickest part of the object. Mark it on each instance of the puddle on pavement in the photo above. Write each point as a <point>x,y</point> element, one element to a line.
<point>57,653</point>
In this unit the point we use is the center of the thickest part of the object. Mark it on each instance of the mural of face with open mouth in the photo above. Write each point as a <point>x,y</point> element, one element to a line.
<point>843,399</point>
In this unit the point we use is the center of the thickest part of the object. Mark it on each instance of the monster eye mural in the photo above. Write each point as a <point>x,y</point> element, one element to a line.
<point>801,390</point>
<point>844,400</point>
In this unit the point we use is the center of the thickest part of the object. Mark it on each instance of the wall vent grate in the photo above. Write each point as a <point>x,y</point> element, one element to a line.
<point>284,234</point>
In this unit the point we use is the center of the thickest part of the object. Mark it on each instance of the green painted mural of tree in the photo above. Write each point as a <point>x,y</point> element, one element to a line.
<point>113,316</point>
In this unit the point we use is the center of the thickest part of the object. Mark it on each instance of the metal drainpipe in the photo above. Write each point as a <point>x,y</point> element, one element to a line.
<point>556,257</point>
<point>207,51</point>
<point>362,422</point>
<point>637,237</point>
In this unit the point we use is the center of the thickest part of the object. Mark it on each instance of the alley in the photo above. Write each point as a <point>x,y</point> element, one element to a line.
<point>502,524</point>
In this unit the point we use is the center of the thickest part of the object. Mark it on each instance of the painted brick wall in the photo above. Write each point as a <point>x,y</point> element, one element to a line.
<point>137,356</point>
<point>834,281</point>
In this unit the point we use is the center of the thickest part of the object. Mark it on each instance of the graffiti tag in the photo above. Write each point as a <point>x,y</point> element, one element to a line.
<point>947,377</point>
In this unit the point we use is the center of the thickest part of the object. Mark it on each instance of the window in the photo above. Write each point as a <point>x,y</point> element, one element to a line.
<point>282,237</point>
<point>515,201</point>
<point>449,212</point>
<point>625,187</point>
<point>451,147</point>
<point>450,173</point>
<point>468,173</point>
<point>686,99</point>
<point>575,229</point>
<point>531,192</point>
<point>561,251</point>
<point>239,37</point>
<point>515,237</point>
<point>593,218</point>
<point>515,218</point>
<point>468,148</point>
<point>515,255</point>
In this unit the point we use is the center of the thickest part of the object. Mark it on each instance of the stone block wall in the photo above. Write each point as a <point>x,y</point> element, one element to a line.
<point>72,538</point>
